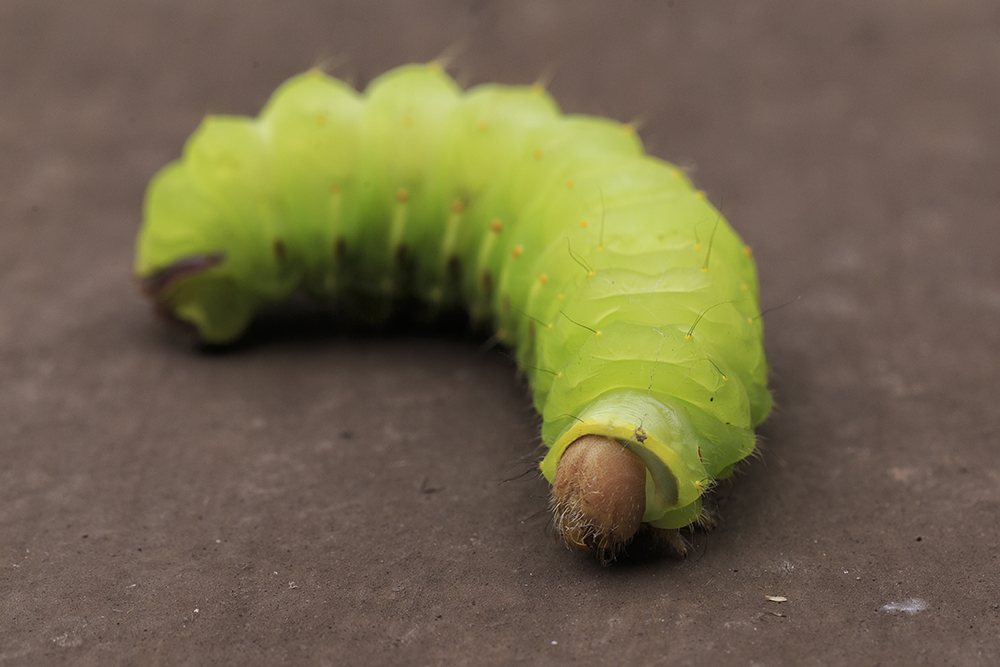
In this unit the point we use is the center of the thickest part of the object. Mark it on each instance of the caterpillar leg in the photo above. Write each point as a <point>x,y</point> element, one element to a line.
<point>599,496</point>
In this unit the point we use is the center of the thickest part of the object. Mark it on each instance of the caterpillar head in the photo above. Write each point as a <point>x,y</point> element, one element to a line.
<point>599,496</point>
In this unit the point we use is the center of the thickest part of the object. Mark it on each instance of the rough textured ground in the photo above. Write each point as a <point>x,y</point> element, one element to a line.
<point>322,497</point>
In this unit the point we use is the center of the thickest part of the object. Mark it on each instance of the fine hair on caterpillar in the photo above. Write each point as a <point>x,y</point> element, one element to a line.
<point>578,249</point>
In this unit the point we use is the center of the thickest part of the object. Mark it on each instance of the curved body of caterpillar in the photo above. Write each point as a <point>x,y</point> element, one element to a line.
<point>631,303</point>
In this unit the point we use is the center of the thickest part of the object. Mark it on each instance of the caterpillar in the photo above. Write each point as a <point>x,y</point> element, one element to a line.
<point>630,302</point>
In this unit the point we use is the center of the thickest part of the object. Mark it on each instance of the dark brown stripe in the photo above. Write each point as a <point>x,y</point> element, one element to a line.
<point>157,282</point>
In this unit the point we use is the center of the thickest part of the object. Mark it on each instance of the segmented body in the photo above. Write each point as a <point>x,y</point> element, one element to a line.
<point>631,304</point>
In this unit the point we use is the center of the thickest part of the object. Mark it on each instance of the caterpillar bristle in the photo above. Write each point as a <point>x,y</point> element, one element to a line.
<point>598,496</point>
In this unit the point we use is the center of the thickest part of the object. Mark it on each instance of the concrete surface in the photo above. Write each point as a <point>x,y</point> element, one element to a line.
<point>317,496</point>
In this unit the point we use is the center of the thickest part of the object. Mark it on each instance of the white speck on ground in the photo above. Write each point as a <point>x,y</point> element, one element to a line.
<point>909,606</point>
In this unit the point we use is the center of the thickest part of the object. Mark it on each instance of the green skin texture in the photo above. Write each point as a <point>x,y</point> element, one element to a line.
<point>630,301</point>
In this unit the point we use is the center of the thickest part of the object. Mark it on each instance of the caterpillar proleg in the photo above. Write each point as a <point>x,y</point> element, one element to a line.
<point>641,343</point>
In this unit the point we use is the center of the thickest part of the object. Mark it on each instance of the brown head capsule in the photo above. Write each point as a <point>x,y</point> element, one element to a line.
<point>599,496</point>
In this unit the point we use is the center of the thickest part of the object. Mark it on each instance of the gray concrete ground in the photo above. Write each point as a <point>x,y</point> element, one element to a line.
<point>317,496</point>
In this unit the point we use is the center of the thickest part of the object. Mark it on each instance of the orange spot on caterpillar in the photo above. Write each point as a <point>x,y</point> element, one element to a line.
<point>560,297</point>
<point>697,246</point>
<point>583,224</point>
<point>334,188</point>
<point>496,226</point>
<point>537,89</point>
<point>537,153</point>
<point>407,121</point>
<point>748,251</point>
<point>457,206</point>
<point>628,129</point>
<point>569,183</point>
<point>746,288</point>
<point>597,333</point>
<point>516,251</point>
<point>704,269</point>
<point>688,336</point>
<point>678,173</point>
<point>590,273</point>
<point>402,196</point>
<point>700,194</point>
<point>544,278</point>
<point>482,126</point>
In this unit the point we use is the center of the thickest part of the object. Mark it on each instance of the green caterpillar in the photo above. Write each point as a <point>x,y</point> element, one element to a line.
<point>631,303</point>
